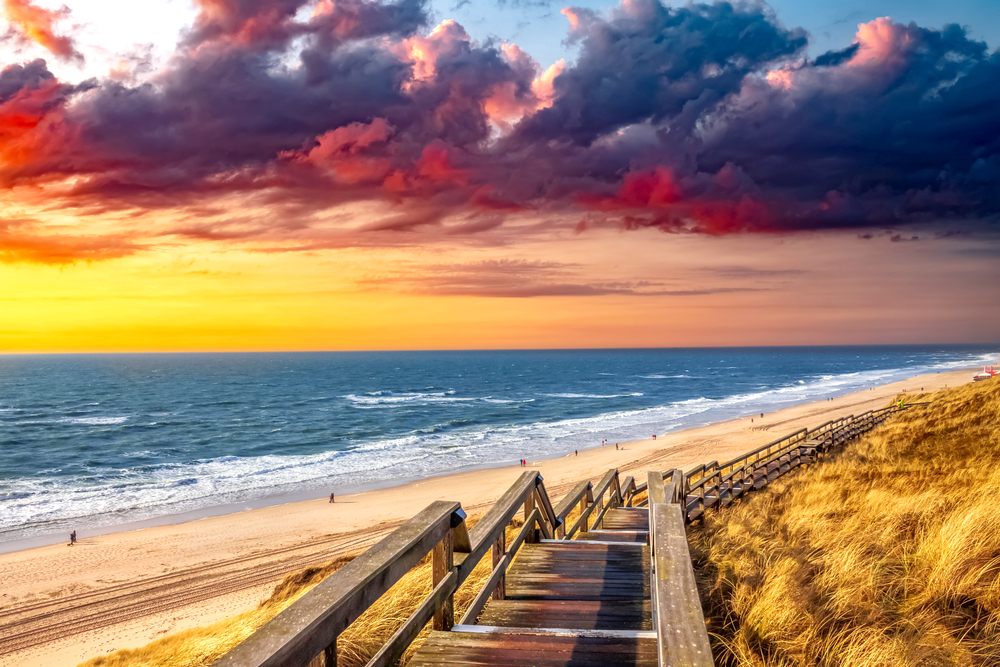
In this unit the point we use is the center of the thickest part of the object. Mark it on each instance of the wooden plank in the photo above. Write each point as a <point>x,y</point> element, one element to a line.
<point>522,536</point>
<point>393,650</point>
<point>581,523</point>
<point>499,552</point>
<point>615,536</point>
<point>497,517</point>
<point>627,488</point>
<point>557,632</point>
<point>442,563</point>
<point>683,636</point>
<point>571,614</point>
<point>512,649</point>
<point>654,482</point>
<point>602,486</point>
<point>548,513</point>
<point>479,602</point>
<point>565,506</point>
<point>306,628</point>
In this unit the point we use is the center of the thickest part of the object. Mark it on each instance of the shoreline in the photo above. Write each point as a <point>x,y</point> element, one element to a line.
<point>311,489</point>
<point>129,558</point>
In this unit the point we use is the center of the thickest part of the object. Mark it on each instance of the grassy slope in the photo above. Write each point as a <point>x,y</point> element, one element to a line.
<point>889,554</point>
<point>200,647</point>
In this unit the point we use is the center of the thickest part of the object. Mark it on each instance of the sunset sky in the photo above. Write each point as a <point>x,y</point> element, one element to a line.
<point>346,174</point>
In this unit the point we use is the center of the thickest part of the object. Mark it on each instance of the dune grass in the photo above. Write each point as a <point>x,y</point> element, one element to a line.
<point>202,646</point>
<point>888,554</point>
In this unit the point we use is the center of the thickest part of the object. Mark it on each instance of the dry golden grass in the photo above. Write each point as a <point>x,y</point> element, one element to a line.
<point>200,647</point>
<point>887,555</point>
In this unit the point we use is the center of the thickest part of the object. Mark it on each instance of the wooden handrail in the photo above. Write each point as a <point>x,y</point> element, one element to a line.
<point>681,633</point>
<point>786,452</point>
<point>566,505</point>
<point>308,627</point>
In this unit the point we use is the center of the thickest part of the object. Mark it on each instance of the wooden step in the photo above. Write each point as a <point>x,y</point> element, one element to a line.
<point>506,649</point>
<point>626,518</point>
<point>575,570</point>
<point>641,536</point>
<point>572,614</point>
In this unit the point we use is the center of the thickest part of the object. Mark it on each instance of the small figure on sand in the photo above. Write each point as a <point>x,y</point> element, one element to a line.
<point>72,538</point>
<point>576,451</point>
<point>332,497</point>
<point>654,436</point>
<point>616,446</point>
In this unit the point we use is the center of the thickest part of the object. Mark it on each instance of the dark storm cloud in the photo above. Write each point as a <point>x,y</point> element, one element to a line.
<point>705,118</point>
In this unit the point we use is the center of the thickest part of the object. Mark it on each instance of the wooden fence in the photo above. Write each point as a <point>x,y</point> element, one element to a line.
<point>306,632</point>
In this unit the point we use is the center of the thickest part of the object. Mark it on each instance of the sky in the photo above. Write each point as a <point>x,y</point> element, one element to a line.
<point>355,174</point>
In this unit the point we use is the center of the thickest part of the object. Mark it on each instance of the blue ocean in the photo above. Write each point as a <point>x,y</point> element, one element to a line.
<point>97,441</point>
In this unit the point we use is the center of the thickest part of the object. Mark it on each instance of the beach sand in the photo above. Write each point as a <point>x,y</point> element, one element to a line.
<point>126,589</point>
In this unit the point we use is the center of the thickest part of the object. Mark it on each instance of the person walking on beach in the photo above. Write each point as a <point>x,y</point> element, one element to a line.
<point>332,497</point>
<point>576,451</point>
<point>72,538</point>
<point>616,446</point>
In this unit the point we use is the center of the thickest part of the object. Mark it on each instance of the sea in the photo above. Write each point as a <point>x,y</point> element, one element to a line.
<point>104,442</point>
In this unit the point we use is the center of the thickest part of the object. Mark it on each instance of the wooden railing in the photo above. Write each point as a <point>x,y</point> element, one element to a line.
<point>676,498</point>
<point>717,484</point>
<point>306,632</point>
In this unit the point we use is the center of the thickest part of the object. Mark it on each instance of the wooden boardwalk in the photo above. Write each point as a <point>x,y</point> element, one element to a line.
<point>584,601</point>
<point>613,587</point>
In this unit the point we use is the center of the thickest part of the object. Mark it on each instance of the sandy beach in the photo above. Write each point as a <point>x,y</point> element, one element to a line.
<point>125,589</point>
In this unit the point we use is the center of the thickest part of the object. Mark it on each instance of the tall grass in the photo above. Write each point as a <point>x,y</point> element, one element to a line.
<point>889,554</point>
<point>200,647</point>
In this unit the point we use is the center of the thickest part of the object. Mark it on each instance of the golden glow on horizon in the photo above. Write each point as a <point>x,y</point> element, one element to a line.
<point>701,292</point>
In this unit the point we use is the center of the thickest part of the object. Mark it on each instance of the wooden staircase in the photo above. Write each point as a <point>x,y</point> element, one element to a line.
<point>584,601</point>
<point>613,587</point>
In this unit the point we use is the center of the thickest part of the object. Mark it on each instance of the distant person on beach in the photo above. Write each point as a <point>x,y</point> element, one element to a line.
<point>616,446</point>
<point>654,436</point>
<point>332,497</point>
<point>576,451</point>
<point>72,538</point>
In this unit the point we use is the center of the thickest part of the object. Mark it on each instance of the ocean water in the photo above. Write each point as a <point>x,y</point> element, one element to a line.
<point>92,441</point>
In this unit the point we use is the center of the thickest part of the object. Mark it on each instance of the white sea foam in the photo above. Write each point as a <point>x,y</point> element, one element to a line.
<point>380,398</point>
<point>94,421</point>
<point>593,395</point>
<point>111,495</point>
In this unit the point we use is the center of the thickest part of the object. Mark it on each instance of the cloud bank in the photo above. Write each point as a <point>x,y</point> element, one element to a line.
<point>706,118</point>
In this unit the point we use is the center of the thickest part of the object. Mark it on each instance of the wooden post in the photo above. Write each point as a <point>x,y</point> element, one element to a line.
<point>529,506</point>
<point>328,658</point>
<point>585,502</point>
<point>499,547</point>
<point>443,561</point>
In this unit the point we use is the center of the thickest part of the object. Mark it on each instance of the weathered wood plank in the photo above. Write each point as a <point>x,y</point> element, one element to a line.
<point>571,614</point>
<point>565,506</point>
<point>683,637</point>
<point>497,517</point>
<point>654,482</point>
<point>484,595</point>
<point>442,563</point>
<point>393,650</point>
<point>508,649</point>
<point>305,629</point>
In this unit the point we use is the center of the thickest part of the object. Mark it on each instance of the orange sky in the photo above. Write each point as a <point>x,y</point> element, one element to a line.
<point>359,174</point>
<point>660,291</point>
